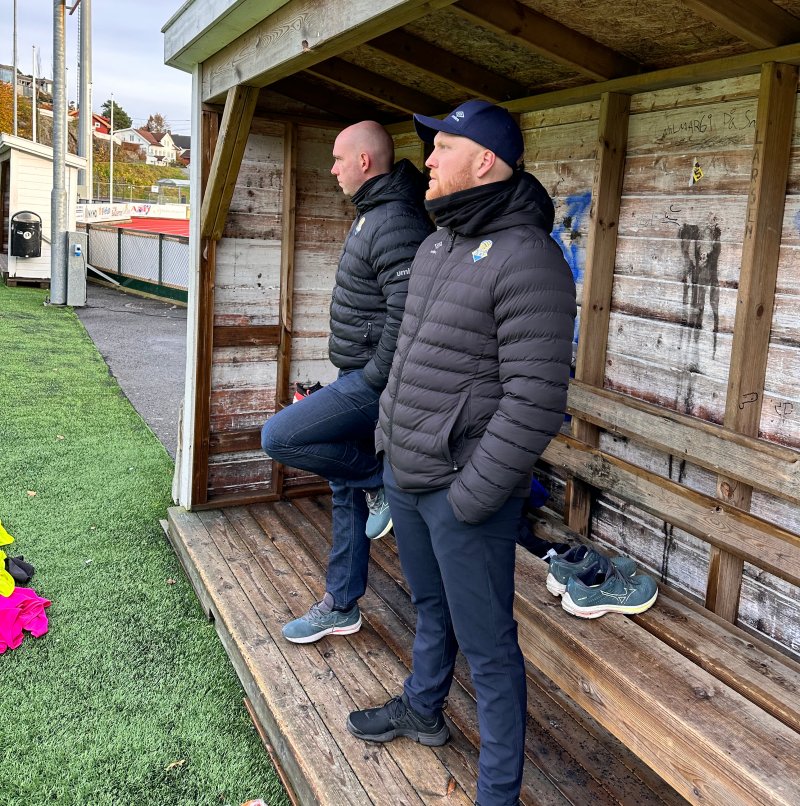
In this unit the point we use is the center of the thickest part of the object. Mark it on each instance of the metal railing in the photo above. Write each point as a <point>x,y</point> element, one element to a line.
<point>150,258</point>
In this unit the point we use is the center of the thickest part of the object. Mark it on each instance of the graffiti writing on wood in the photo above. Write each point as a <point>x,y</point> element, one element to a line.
<point>784,409</point>
<point>684,127</point>
<point>750,397</point>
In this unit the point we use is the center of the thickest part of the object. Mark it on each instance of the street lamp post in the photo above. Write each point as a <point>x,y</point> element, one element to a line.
<point>111,156</point>
<point>15,68</point>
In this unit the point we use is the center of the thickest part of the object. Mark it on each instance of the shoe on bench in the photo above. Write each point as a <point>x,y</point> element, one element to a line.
<point>398,718</point>
<point>607,590</point>
<point>580,560</point>
<point>322,620</point>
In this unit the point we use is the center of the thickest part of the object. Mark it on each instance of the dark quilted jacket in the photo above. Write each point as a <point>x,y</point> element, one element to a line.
<point>478,385</point>
<point>372,278</point>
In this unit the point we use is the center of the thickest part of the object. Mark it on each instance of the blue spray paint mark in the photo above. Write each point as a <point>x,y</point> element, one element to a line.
<point>567,233</point>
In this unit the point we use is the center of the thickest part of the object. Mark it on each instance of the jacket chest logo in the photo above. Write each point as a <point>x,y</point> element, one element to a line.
<point>482,250</point>
<point>360,224</point>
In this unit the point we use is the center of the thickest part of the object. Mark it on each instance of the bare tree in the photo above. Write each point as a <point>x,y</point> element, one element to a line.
<point>157,124</point>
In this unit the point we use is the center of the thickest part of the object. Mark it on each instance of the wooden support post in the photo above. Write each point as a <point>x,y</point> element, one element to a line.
<point>286,306</point>
<point>598,281</point>
<point>222,149</point>
<point>760,252</point>
<point>233,134</point>
<point>209,129</point>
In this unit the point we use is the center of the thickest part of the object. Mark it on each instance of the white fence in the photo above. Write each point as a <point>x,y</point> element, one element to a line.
<point>154,258</point>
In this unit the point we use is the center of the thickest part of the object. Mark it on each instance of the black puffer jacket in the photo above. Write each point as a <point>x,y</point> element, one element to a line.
<point>372,278</point>
<point>479,381</point>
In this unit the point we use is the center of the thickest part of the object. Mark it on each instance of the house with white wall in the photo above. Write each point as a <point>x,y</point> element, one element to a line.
<point>158,148</point>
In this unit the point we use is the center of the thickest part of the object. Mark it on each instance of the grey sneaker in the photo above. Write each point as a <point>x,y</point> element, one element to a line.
<point>607,590</point>
<point>379,521</point>
<point>398,718</point>
<point>577,561</point>
<point>322,620</point>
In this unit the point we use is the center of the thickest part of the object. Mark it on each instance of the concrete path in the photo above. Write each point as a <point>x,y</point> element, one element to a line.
<point>143,341</point>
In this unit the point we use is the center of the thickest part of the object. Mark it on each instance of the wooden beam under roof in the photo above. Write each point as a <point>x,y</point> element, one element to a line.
<point>760,23</point>
<point>301,89</point>
<point>742,64</point>
<point>470,78</point>
<point>375,87</point>
<point>302,33</point>
<point>547,37</point>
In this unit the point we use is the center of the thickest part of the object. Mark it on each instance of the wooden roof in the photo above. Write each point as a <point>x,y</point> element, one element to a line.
<point>349,59</point>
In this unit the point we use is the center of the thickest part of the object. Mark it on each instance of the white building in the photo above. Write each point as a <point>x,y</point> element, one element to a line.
<point>26,183</point>
<point>158,148</point>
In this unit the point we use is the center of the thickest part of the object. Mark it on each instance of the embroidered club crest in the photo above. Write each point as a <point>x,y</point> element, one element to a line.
<point>360,223</point>
<point>482,250</point>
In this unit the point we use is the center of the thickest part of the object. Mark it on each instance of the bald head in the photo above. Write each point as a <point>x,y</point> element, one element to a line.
<point>361,152</point>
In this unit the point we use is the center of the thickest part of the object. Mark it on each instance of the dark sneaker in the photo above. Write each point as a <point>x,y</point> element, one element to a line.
<point>607,590</point>
<point>398,718</point>
<point>301,390</point>
<point>379,522</point>
<point>322,620</point>
<point>581,560</point>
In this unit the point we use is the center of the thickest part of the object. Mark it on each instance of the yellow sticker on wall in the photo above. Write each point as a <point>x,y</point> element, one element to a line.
<point>697,173</point>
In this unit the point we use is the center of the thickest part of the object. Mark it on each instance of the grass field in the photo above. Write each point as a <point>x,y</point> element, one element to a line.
<point>129,698</point>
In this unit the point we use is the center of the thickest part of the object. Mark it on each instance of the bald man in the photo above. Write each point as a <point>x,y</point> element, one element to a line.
<point>331,432</point>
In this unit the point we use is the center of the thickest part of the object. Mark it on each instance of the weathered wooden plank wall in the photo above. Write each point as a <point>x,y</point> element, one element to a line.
<point>248,296</point>
<point>679,251</point>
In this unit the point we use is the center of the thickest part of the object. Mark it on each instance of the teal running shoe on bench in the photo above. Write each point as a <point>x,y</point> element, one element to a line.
<point>579,560</point>
<point>607,590</point>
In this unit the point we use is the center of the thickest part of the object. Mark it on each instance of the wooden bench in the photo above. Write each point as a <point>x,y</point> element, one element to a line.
<point>713,710</point>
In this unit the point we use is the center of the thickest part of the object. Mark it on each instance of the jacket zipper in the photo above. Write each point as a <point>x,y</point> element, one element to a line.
<point>414,338</point>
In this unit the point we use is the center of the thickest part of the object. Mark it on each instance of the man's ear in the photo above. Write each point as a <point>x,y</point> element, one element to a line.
<point>486,163</point>
<point>364,161</point>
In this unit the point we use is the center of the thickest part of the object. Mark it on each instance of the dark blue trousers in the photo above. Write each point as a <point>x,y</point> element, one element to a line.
<point>332,433</point>
<point>462,583</point>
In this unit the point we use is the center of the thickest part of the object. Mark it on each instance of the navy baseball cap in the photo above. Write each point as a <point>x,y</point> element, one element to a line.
<point>487,124</point>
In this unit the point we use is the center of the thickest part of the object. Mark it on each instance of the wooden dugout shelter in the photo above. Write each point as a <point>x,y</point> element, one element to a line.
<point>668,136</point>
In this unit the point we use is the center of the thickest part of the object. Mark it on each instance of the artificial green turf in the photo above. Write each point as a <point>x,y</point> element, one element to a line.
<point>129,698</point>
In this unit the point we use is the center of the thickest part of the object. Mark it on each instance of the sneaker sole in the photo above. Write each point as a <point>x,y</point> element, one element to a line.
<point>595,611</point>
<point>309,639</point>
<point>554,586</point>
<point>385,532</point>
<point>428,739</point>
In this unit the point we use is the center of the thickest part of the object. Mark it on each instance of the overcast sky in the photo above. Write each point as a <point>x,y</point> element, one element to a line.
<point>127,54</point>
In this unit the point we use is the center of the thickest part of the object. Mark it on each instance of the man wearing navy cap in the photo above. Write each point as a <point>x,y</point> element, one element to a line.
<point>477,389</point>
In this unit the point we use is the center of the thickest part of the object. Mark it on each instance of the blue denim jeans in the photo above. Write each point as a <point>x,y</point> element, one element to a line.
<point>462,583</point>
<point>331,433</point>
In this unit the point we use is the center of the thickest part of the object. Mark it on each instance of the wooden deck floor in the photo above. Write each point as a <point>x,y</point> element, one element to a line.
<point>255,567</point>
